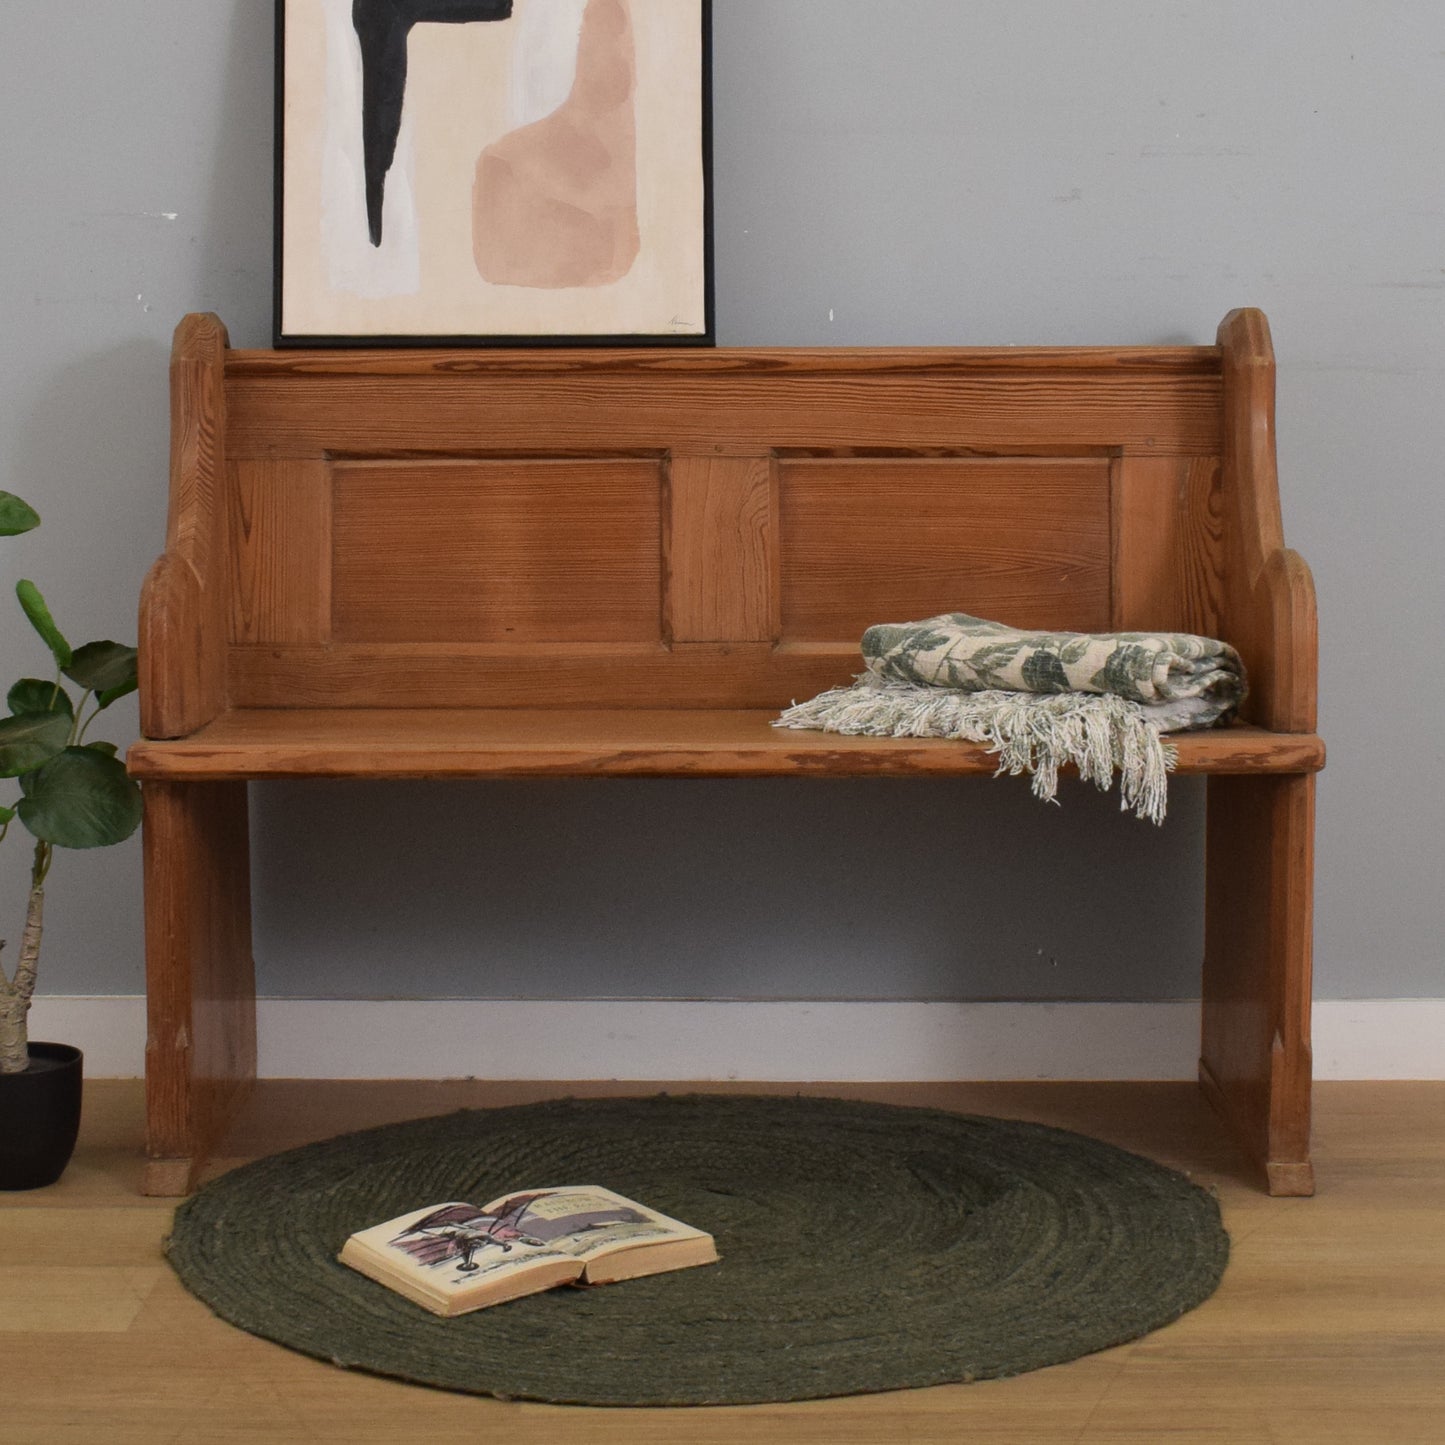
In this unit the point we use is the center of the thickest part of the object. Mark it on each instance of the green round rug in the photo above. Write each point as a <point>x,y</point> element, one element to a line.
<point>864,1247</point>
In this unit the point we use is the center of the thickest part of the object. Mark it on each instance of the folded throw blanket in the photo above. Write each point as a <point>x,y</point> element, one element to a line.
<point>1040,700</point>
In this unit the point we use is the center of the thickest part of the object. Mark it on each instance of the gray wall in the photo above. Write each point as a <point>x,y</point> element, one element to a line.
<point>921,171</point>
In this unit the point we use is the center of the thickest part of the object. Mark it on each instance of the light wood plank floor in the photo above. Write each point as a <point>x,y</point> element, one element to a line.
<point>1329,1327</point>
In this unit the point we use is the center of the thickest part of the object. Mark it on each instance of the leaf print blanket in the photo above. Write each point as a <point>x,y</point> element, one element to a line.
<point>1040,700</point>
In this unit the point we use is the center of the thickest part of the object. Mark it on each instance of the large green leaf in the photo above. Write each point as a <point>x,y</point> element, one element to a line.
<point>103,666</point>
<point>35,694</point>
<point>41,620</point>
<point>31,739</point>
<point>16,516</point>
<point>114,694</point>
<point>81,799</point>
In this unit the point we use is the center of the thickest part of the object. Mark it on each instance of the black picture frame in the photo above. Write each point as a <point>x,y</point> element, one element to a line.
<point>705,336</point>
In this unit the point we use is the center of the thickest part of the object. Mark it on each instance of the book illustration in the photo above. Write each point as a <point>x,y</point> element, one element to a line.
<point>455,1256</point>
<point>462,1230</point>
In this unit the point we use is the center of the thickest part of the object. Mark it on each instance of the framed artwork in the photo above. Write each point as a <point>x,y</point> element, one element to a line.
<point>493,172</point>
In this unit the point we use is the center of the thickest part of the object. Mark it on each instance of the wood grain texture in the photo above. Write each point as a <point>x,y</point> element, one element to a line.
<point>656,363</point>
<point>183,603</point>
<point>436,742</point>
<point>1258,940</point>
<point>526,548</point>
<point>621,674</point>
<point>1251,474</point>
<point>1267,609</point>
<point>280,546</point>
<point>200,983</point>
<point>178,665</point>
<point>1168,544</point>
<point>1279,640</point>
<point>1328,1329</point>
<point>865,541</point>
<point>721,548</point>
<point>609,410</point>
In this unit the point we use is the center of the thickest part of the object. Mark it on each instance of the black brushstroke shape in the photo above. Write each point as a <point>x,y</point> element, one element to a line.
<point>382,26</point>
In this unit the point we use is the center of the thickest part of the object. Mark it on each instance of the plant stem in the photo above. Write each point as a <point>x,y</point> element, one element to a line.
<point>15,994</point>
<point>77,731</point>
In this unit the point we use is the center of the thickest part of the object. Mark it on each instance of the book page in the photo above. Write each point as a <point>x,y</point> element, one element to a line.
<point>455,1246</point>
<point>510,1246</point>
<point>587,1220</point>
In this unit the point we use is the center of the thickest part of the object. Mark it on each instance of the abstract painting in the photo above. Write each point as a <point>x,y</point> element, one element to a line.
<point>493,172</point>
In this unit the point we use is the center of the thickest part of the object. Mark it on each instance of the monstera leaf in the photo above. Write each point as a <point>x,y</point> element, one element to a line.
<point>81,798</point>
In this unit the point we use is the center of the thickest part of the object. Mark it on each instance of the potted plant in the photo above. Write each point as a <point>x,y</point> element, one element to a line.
<point>74,793</point>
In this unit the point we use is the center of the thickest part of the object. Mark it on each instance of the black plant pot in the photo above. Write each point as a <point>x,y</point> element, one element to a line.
<point>39,1117</point>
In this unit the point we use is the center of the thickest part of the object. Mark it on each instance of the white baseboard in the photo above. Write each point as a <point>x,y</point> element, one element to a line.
<point>739,1039</point>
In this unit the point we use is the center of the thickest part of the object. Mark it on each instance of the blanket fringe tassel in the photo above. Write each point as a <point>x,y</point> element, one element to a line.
<point>1033,733</point>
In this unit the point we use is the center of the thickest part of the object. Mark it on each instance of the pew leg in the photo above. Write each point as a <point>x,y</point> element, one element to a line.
<point>200,980</point>
<point>1255,1049</point>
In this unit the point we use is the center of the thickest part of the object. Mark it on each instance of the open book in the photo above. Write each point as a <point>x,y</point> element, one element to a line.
<point>451,1258</point>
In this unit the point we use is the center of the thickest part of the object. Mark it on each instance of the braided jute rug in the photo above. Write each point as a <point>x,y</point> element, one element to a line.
<point>864,1247</point>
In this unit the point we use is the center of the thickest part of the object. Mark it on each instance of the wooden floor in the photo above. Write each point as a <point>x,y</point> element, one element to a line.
<point>1329,1326</point>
